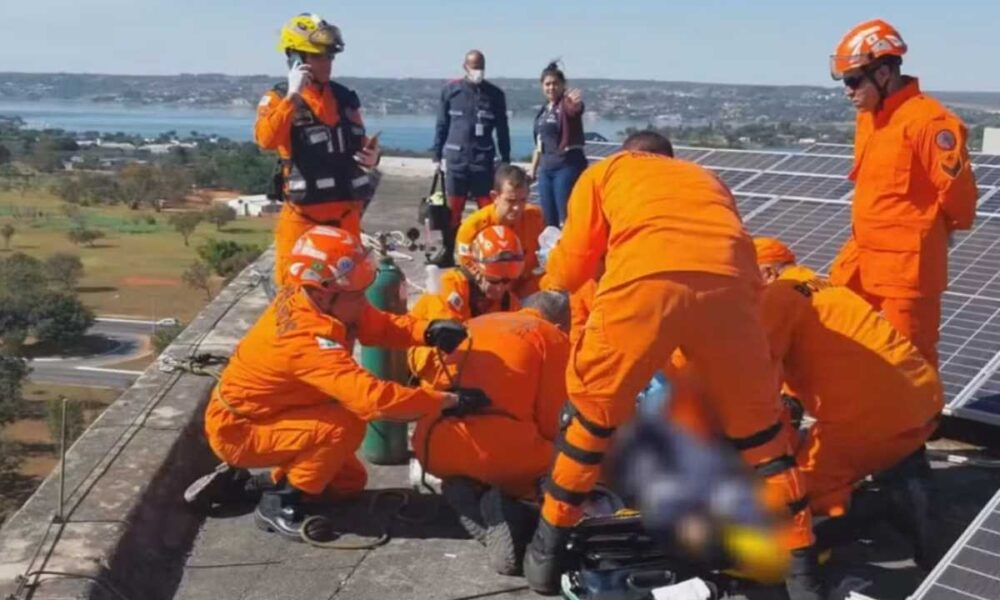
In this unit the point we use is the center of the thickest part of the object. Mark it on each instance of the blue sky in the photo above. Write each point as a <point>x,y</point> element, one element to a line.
<point>955,45</point>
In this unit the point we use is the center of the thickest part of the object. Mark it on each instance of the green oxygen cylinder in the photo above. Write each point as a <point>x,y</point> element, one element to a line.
<point>385,441</point>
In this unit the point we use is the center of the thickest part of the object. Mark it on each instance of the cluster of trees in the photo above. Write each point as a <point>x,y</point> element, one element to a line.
<point>136,186</point>
<point>38,303</point>
<point>222,258</point>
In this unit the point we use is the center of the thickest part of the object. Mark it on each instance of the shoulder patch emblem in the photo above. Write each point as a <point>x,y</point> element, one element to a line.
<point>946,140</point>
<point>326,343</point>
<point>455,300</point>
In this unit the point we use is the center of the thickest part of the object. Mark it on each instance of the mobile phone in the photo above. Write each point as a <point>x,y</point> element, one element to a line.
<point>373,140</point>
<point>295,59</point>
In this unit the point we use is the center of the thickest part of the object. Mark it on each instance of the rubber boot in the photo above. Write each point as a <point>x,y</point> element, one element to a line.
<point>224,485</point>
<point>508,530</point>
<point>463,496</point>
<point>445,256</point>
<point>544,561</point>
<point>909,487</point>
<point>803,581</point>
<point>280,511</point>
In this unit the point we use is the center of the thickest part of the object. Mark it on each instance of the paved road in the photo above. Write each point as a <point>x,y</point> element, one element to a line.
<point>129,338</point>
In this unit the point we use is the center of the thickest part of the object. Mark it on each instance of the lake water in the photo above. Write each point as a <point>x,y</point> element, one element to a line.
<point>410,132</point>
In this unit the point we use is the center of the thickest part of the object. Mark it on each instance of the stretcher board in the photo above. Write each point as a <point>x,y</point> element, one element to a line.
<point>804,199</point>
<point>971,568</point>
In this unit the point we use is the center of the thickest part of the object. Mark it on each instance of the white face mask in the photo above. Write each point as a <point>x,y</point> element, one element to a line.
<point>476,75</point>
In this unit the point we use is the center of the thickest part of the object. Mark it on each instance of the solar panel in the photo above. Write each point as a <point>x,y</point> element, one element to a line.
<point>799,186</point>
<point>760,161</point>
<point>989,201</point>
<point>692,154</point>
<point>749,205</point>
<point>734,177</point>
<point>971,568</point>
<point>831,149</point>
<point>986,159</point>
<point>814,230</point>
<point>986,175</point>
<point>818,165</point>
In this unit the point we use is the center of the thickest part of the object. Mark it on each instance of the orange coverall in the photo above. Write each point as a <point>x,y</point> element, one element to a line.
<point>528,228</point>
<point>680,273</point>
<point>519,360</point>
<point>272,131</point>
<point>293,398</point>
<point>459,299</point>
<point>580,304</point>
<point>914,186</point>
<point>873,395</point>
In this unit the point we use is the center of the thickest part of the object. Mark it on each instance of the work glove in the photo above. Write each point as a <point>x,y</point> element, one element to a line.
<point>298,77</point>
<point>470,401</point>
<point>445,335</point>
<point>544,562</point>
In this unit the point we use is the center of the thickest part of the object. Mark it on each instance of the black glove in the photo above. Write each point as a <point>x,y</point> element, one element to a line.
<point>470,400</point>
<point>445,334</point>
<point>544,562</point>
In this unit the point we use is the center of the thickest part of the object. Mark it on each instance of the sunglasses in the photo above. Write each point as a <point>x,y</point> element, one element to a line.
<point>854,81</point>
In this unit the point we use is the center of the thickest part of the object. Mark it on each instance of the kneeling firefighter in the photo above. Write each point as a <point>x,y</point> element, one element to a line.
<point>293,399</point>
<point>327,163</point>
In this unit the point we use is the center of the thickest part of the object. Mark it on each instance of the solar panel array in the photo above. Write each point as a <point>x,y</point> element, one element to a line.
<point>804,199</point>
<point>971,569</point>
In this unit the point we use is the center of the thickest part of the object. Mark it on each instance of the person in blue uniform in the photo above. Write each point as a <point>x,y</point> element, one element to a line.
<point>471,111</point>
<point>558,159</point>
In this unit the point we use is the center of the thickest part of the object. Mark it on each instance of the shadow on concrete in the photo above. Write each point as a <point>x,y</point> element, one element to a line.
<point>375,511</point>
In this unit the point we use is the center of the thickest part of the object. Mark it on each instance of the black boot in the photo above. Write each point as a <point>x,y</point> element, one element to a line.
<point>280,511</point>
<point>444,257</point>
<point>803,581</point>
<point>909,488</point>
<point>224,485</point>
<point>463,494</point>
<point>545,558</point>
<point>508,530</point>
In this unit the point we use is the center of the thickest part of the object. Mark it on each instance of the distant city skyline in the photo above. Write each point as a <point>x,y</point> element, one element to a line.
<point>766,42</point>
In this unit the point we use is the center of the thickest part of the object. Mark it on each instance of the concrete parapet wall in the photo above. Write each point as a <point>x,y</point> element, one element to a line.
<point>126,529</point>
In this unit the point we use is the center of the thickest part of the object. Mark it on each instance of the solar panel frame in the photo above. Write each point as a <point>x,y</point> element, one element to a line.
<point>809,187</point>
<point>943,583</point>
<point>810,164</point>
<point>741,159</point>
<point>986,175</point>
<point>830,149</point>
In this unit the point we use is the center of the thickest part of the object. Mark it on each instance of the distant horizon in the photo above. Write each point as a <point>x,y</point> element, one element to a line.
<point>833,84</point>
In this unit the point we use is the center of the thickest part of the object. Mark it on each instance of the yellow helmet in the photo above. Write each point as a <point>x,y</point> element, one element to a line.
<point>308,32</point>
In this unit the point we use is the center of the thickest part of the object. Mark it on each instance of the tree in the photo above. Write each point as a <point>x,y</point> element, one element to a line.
<point>185,223</point>
<point>87,237</point>
<point>75,216</point>
<point>4,154</point>
<point>64,270</point>
<point>7,231</point>
<point>13,370</point>
<point>198,276</point>
<point>163,336</point>
<point>226,257</point>
<point>60,319</point>
<point>140,184</point>
<point>220,215</point>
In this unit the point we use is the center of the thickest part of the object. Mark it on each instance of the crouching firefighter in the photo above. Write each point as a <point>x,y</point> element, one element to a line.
<point>492,461</point>
<point>326,173</point>
<point>293,399</point>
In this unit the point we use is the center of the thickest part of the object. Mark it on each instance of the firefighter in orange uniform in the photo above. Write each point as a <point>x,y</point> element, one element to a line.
<point>292,397</point>
<point>327,162</point>
<point>875,398</point>
<point>489,461</point>
<point>481,286</point>
<point>680,273</point>
<point>510,208</point>
<point>914,186</point>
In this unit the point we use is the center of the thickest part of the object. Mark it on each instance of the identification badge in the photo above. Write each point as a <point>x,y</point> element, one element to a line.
<point>480,130</point>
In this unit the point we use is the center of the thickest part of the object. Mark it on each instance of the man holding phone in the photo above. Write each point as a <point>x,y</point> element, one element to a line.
<point>327,172</point>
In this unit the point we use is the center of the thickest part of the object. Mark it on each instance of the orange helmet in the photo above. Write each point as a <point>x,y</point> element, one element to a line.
<point>497,253</point>
<point>772,250</point>
<point>864,44</point>
<point>331,258</point>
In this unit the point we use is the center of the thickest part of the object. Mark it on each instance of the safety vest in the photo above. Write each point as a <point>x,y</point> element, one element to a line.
<point>322,166</point>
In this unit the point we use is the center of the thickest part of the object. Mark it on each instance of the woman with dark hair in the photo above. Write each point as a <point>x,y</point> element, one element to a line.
<point>558,159</point>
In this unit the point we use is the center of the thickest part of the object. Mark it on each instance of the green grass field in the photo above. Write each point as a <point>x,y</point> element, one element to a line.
<point>136,269</point>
